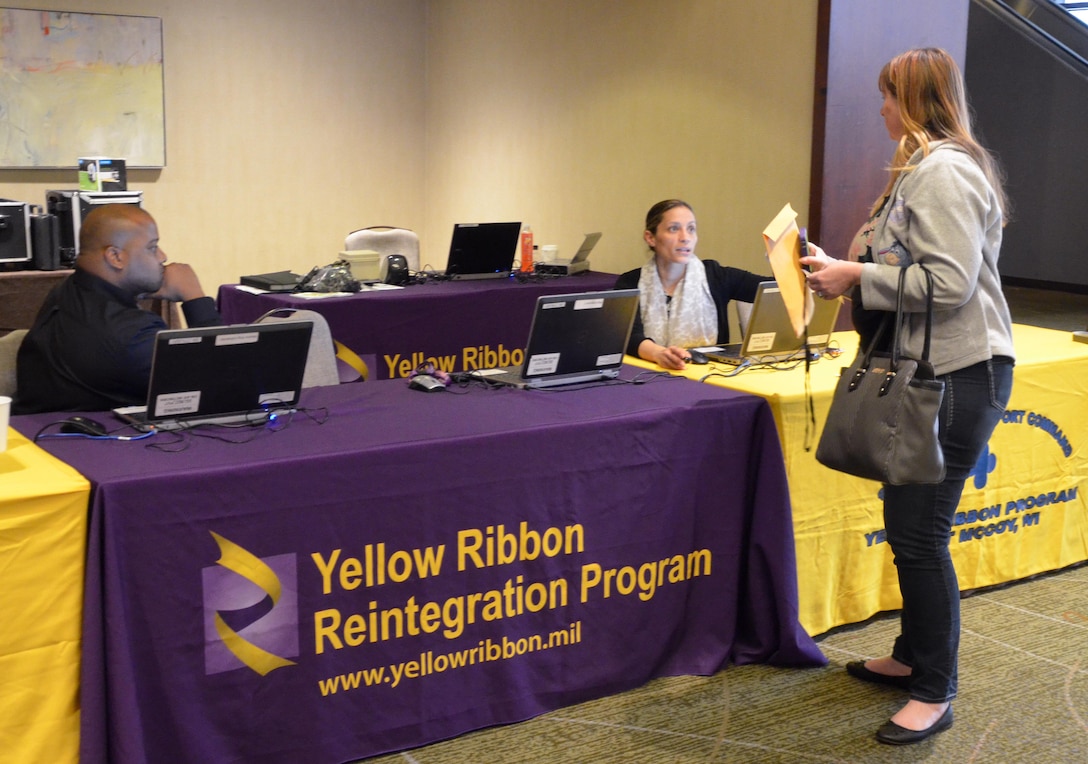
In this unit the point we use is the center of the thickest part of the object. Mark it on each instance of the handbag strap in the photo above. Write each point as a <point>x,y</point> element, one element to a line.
<point>899,316</point>
<point>929,311</point>
<point>893,366</point>
<point>867,359</point>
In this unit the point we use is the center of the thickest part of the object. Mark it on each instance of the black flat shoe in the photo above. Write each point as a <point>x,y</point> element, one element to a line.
<point>857,670</point>
<point>892,734</point>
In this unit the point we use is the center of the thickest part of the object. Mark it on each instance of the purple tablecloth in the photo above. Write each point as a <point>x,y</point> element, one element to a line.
<point>458,325</point>
<point>424,564</point>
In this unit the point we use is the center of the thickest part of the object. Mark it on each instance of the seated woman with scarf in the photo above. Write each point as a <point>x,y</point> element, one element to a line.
<point>683,299</point>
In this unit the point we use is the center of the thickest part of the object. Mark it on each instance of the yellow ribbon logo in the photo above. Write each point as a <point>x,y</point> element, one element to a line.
<point>253,569</point>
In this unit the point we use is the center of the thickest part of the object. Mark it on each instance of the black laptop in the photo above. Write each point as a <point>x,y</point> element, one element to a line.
<point>483,250</point>
<point>574,338</point>
<point>223,375</point>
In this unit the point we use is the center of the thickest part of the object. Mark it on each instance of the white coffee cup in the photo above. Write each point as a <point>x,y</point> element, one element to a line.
<point>549,253</point>
<point>5,414</point>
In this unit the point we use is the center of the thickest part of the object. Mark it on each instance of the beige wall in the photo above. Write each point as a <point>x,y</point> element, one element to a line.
<point>288,124</point>
<point>291,123</point>
<point>577,116</point>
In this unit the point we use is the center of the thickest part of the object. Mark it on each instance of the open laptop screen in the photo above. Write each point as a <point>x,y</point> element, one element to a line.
<point>482,249</point>
<point>588,243</point>
<point>770,329</point>
<point>579,333</point>
<point>223,370</point>
<point>770,337</point>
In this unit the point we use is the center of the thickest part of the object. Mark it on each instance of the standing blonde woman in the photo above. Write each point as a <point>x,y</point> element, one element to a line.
<point>943,208</point>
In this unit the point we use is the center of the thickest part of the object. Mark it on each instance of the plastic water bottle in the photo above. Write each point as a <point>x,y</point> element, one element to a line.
<point>526,249</point>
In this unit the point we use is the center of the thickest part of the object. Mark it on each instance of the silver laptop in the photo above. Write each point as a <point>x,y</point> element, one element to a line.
<point>482,250</point>
<point>770,337</point>
<point>576,264</point>
<point>574,338</point>
<point>222,375</point>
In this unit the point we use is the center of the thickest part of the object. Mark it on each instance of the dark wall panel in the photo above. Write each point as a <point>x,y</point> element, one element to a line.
<point>1031,102</point>
<point>849,164</point>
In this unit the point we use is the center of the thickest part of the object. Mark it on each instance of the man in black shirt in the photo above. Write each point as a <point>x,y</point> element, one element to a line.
<point>91,344</point>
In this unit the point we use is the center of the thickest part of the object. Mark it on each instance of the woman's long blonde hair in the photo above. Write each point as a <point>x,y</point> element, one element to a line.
<point>928,86</point>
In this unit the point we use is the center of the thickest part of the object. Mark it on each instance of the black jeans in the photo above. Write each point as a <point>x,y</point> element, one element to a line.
<point>918,520</point>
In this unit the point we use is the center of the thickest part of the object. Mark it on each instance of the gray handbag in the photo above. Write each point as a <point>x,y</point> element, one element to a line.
<point>883,419</point>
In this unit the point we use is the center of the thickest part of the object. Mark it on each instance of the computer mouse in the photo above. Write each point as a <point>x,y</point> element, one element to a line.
<point>697,356</point>
<point>83,426</point>
<point>426,383</point>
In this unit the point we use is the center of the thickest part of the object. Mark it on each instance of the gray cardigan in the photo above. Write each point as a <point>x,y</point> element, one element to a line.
<point>945,215</point>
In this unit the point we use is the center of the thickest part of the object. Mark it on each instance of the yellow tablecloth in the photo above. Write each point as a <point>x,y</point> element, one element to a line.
<point>43,541</point>
<point>1023,510</point>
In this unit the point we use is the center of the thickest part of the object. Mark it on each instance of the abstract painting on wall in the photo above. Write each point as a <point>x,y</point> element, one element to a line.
<point>78,85</point>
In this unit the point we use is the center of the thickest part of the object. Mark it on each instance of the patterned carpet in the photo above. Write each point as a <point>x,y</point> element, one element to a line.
<point>1023,698</point>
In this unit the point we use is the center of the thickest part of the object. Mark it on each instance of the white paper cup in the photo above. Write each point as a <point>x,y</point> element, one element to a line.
<point>5,414</point>
<point>549,253</point>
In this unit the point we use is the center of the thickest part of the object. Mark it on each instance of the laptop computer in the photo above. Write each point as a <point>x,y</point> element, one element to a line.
<point>222,375</point>
<point>770,337</point>
<point>482,250</point>
<point>574,338</point>
<point>576,264</point>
